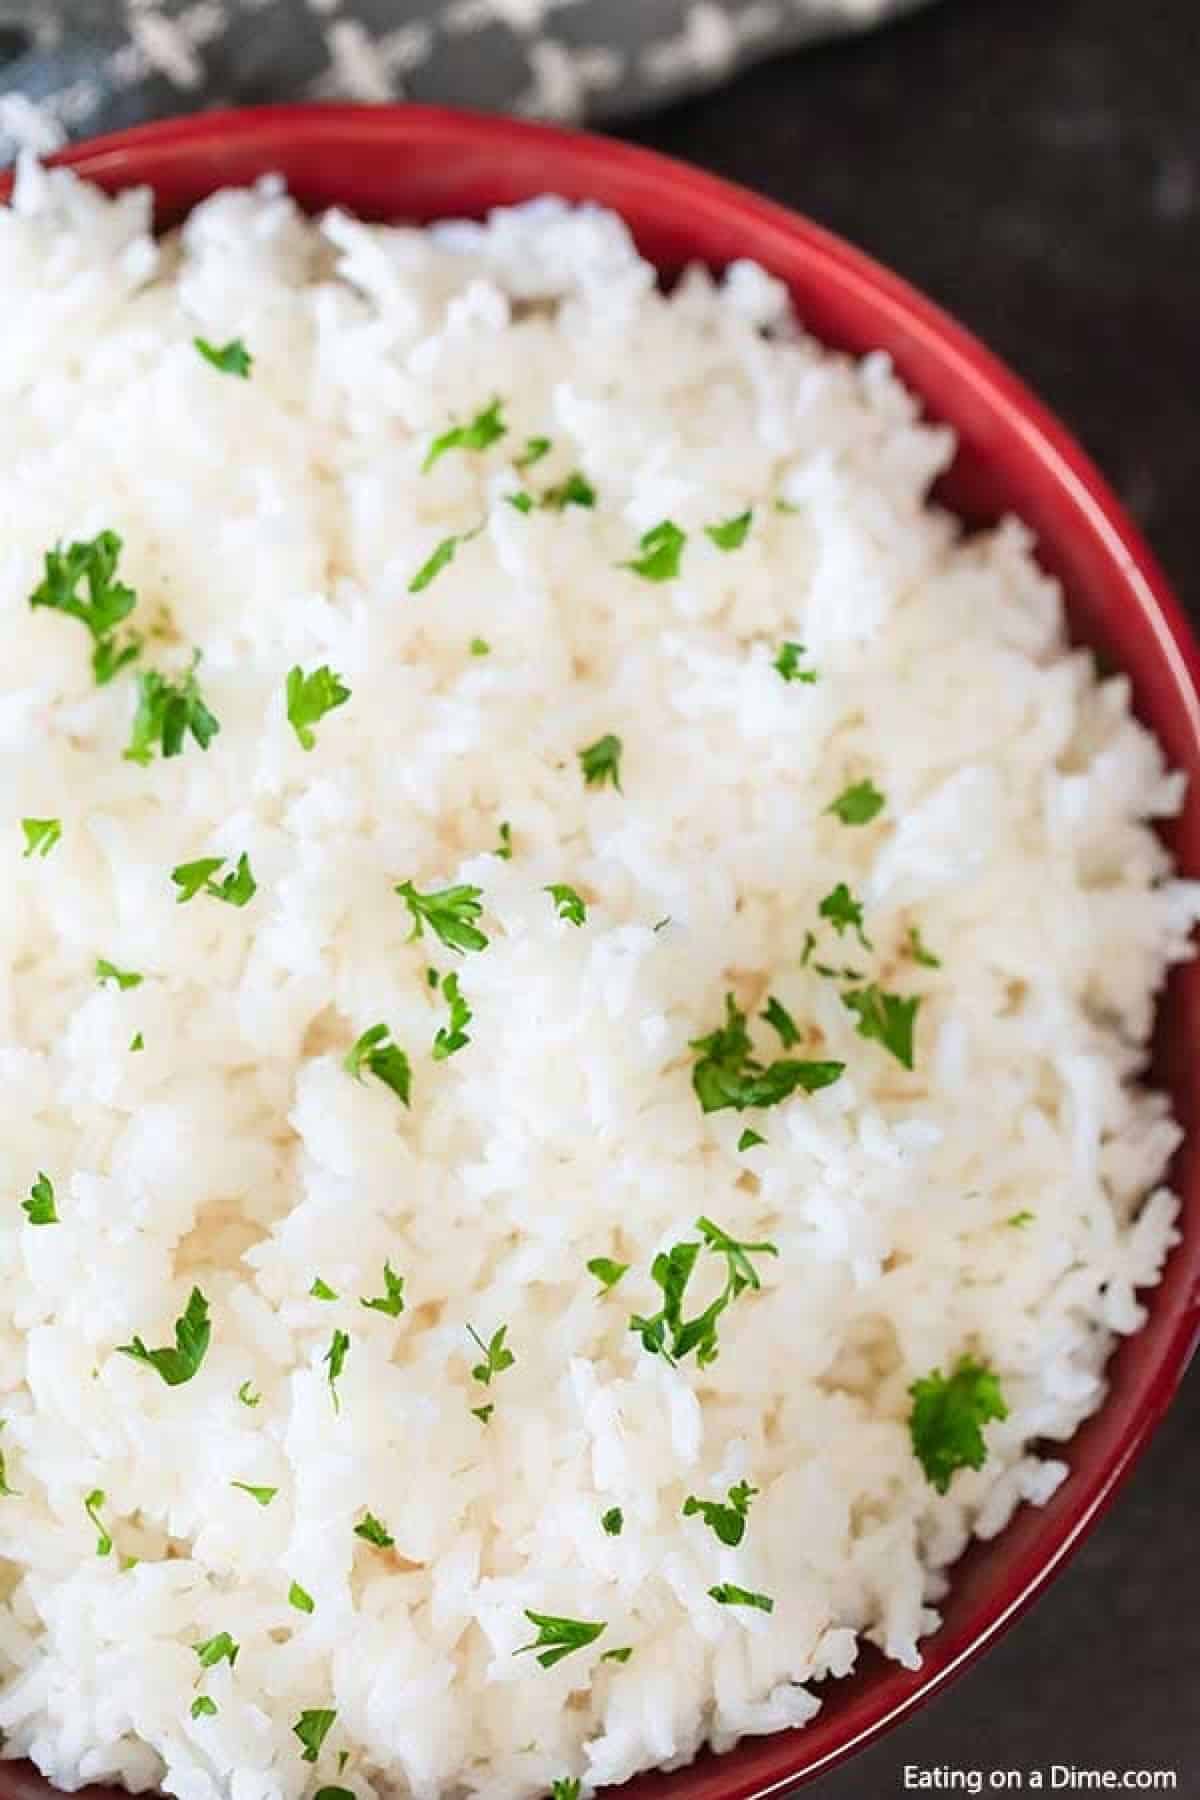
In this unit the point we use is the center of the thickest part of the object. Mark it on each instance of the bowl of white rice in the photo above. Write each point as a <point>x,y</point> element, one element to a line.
<point>601,830</point>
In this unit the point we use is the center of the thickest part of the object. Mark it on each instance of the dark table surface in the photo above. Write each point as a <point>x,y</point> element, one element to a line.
<point>1035,168</point>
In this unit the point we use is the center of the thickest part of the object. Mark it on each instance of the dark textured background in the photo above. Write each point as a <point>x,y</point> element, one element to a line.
<point>1036,168</point>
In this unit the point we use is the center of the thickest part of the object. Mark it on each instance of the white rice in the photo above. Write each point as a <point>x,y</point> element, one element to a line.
<point>279,520</point>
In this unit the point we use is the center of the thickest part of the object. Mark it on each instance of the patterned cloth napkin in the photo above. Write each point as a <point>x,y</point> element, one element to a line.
<point>70,68</point>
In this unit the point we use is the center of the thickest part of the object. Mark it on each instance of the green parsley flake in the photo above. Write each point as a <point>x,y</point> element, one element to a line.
<point>750,1140</point>
<point>312,1728</point>
<point>391,1302</point>
<point>618,1656</point>
<point>6,1492</point>
<point>504,849</point>
<point>535,449</point>
<point>301,1599</point>
<point>727,1075</point>
<point>192,1334</point>
<point>890,1019</point>
<point>484,430</point>
<point>213,1650</point>
<point>452,1037</point>
<point>613,1521</point>
<point>91,1506</point>
<point>336,1793</point>
<point>844,913</point>
<point>727,1522</point>
<point>781,1021</point>
<point>263,1495</point>
<point>442,556</point>
<point>787,664</point>
<point>497,1357</point>
<point>726,1594</point>
<point>732,534</point>
<point>124,978</point>
<point>567,1787</point>
<point>107,604</point>
<point>335,1356</point>
<point>1020,1219</point>
<point>601,762</point>
<point>858,804</point>
<point>484,1413</point>
<point>557,1638</point>
<point>449,912</point>
<point>480,647</point>
<point>247,1395</point>
<point>310,697</point>
<point>576,490</point>
<point>166,713</point>
<point>374,1531</point>
<point>520,502</point>
<point>232,358</point>
<point>662,549</point>
<point>569,904</point>
<point>947,1419</point>
<point>920,952</point>
<point>41,835</point>
<point>667,1333</point>
<point>321,1290</point>
<point>606,1271</point>
<point>385,1060</point>
<point>39,1209</point>
<point>203,1707</point>
<point>236,888</point>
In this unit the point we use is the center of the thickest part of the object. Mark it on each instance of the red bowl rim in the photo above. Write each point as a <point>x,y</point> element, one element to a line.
<point>259,134</point>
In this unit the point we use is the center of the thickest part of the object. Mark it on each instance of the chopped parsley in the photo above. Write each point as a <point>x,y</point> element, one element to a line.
<point>576,490</point>
<point>107,604</point>
<point>483,1413</point>
<point>124,978</point>
<point>235,888</point>
<point>618,1656</point>
<point>335,1356</point>
<point>91,1506</point>
<point>613,1521</point>
<point>781,1021</point>
<point>247,1395</point>
<point>232,358</point>
<point>480,647</point>
<point>557,1638</point>
<point>386,1061</point>
<point>497,1357</point>
<point>726,1594</point>
<point>535,449</point>
<point>606,1271</point>
<point>858,804</point>
<point>321,1290</point>
<point>569,904</point>
<point>844,913</point>
<point>39,1209</point>
<point>567,1787</point>
<point>41,835</point>
<point>301,1599</point>
<point>520,501</point>
<point>484,430</point>
<point>166,713</point>
<point>374,1531</point>
<point>137,1041</point>
<point>214,1650</point>
<point>263,1495</point>
<point>662,549</point>
<point>442,556</point>
<point>453,1036</point>
<point>336,1793</point>
<point>890,1019</point>
<point>1020,1219</point>
<point>391,1301</point>
<point>750,1140</point>
<point>947,1419</point>
<point>727,1522</point>
<point>920,951</point>
<point>667,1333</point>
<point>726,1074</point>
<point>203,1707</point>
<point>179,1363</point>
<point>504,848</point>
<point>449,912</point>
<point>601,762</point>
<point>312,1728</point>
<point>310,697</point>
<point>787,664</point>
<point>732,534</point>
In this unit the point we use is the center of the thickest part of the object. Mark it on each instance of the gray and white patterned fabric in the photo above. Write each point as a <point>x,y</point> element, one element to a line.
<point>71,68</point>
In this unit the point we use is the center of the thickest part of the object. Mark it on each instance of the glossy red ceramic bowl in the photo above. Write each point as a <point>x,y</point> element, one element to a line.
<point>415,163</point>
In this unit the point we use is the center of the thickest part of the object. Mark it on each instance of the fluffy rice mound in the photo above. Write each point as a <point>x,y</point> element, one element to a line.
<point>200,1130</point>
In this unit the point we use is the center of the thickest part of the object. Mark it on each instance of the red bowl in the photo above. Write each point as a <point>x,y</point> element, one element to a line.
<point>420,163</point>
